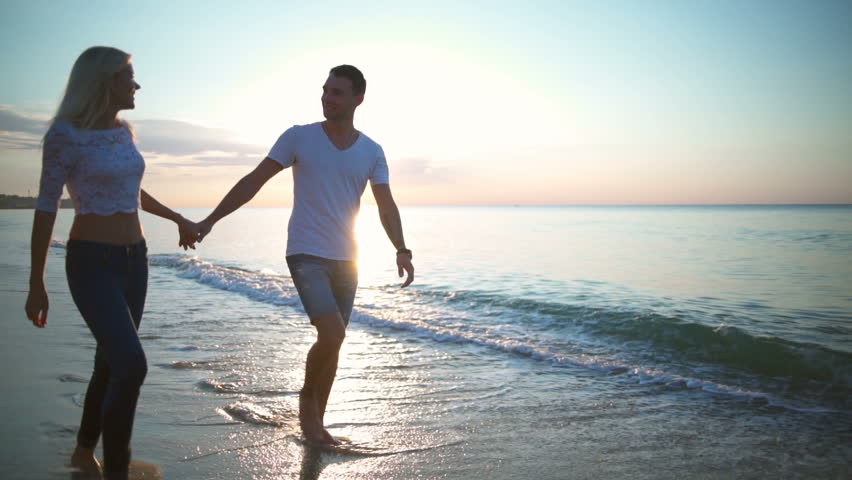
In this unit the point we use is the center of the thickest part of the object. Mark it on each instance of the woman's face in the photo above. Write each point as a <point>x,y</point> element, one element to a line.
<point>123,89</point>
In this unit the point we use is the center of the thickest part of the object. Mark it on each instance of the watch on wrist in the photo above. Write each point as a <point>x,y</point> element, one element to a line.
<point>405,251</point>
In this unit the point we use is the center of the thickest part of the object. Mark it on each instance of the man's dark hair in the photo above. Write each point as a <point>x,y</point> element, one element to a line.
<point>359,85</point>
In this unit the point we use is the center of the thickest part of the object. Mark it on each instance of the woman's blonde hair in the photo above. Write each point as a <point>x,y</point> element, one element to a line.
<point>87,95</point>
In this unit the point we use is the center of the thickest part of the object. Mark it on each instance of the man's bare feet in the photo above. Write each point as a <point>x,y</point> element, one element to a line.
<point>309,419</point>
<point>328,438</point>
<point>83,459</point>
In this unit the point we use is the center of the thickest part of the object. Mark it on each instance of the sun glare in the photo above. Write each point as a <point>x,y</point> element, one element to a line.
<point>375,252</point>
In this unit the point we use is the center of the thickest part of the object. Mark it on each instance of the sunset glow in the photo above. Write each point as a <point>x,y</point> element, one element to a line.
<point>557,103</point>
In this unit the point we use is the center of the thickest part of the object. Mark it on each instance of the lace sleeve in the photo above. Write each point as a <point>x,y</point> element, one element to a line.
<point>56,165</point>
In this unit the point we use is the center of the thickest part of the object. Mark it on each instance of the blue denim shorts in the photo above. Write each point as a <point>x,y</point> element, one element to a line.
<point>325,286</point>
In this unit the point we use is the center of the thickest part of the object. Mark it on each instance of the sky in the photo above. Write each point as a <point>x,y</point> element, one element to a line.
<point>474,102</point>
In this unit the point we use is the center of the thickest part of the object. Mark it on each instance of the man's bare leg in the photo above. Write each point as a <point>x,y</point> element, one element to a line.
<point>324,391</point>
<point>84,460</point>
<point>319,377</point>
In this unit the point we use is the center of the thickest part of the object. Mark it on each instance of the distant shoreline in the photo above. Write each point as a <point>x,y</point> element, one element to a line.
<point>16,202</point>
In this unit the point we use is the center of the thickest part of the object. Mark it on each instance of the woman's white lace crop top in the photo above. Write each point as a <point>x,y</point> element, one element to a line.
<point>102,169</point>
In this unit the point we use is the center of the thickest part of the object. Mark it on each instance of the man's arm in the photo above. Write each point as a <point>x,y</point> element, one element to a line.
<point>389,215</point>
<point>243,191</point>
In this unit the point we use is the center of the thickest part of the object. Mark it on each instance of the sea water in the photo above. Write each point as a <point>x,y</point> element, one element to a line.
<point>535,342</point>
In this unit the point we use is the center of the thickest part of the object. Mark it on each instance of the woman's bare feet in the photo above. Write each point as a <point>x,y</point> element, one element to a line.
<point>83,459</point>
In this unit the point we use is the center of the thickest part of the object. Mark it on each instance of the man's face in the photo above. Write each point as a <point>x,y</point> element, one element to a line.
<point>338,99</point>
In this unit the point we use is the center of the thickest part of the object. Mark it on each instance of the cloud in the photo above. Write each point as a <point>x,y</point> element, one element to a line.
<point>18,141</point>
<point>174,143</point>
<point>20,132</point>
<point>204,159</point>
<point>183,143</point>
<point>11,121</point>
<point>417,172</point>
<point>177,138</point>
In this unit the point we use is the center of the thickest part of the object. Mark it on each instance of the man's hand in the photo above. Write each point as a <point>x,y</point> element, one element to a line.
<point>403,262</point>
<point>204,227</point>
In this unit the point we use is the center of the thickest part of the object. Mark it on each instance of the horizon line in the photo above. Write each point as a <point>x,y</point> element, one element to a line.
<point>521,205</point>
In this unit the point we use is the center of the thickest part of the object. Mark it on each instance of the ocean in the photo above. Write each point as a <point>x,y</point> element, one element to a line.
<point>640,342</point>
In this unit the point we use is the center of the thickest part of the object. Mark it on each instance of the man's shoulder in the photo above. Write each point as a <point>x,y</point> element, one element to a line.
<point>370,143</point>
<point>303,129</point>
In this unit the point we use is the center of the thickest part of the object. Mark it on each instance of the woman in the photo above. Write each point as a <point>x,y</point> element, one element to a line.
<point>92,151</point>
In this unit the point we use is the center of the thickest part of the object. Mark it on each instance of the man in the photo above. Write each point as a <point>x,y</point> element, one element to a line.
<point>332,162</point>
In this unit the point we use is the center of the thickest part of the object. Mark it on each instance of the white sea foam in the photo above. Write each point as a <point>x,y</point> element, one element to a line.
<point>263,287</point>
<point>430,322</point>
<point>249,412</point>
<point>219,387</point>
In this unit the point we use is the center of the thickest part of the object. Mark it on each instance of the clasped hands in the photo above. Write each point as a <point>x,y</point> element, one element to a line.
<point>191,232</point>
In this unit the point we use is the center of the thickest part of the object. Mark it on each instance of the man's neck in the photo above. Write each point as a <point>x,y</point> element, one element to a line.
<point>339,128</point>
<point>342,134</point>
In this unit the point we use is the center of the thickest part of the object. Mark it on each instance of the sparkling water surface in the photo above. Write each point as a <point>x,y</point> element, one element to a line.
<point>536,342</point>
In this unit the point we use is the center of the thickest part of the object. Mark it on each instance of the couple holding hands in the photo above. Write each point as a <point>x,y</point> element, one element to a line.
<point>89,149</point>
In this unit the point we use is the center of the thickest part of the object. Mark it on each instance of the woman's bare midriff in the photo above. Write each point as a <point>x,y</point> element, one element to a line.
<point>116,229</point>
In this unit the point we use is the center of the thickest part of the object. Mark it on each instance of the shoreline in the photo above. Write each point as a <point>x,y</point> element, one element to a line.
<point>17,202</point>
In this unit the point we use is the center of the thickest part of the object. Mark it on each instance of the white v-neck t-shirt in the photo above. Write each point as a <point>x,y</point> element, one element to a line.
<point>327,188</point>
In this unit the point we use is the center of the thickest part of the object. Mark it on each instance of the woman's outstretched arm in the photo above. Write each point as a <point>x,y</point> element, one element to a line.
<point>187,230</point>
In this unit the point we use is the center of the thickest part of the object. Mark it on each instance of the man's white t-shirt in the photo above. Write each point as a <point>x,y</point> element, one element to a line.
<point>327,188</point>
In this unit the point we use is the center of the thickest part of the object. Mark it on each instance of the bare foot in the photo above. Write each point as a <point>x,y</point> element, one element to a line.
<point>83,459</point>
<point>309,419</point>
<point>327,438</point>
<point>139,470</point>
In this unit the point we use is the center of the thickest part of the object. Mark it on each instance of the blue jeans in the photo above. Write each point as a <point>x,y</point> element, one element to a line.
<point>109,284</point>
<point>324,285</point>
